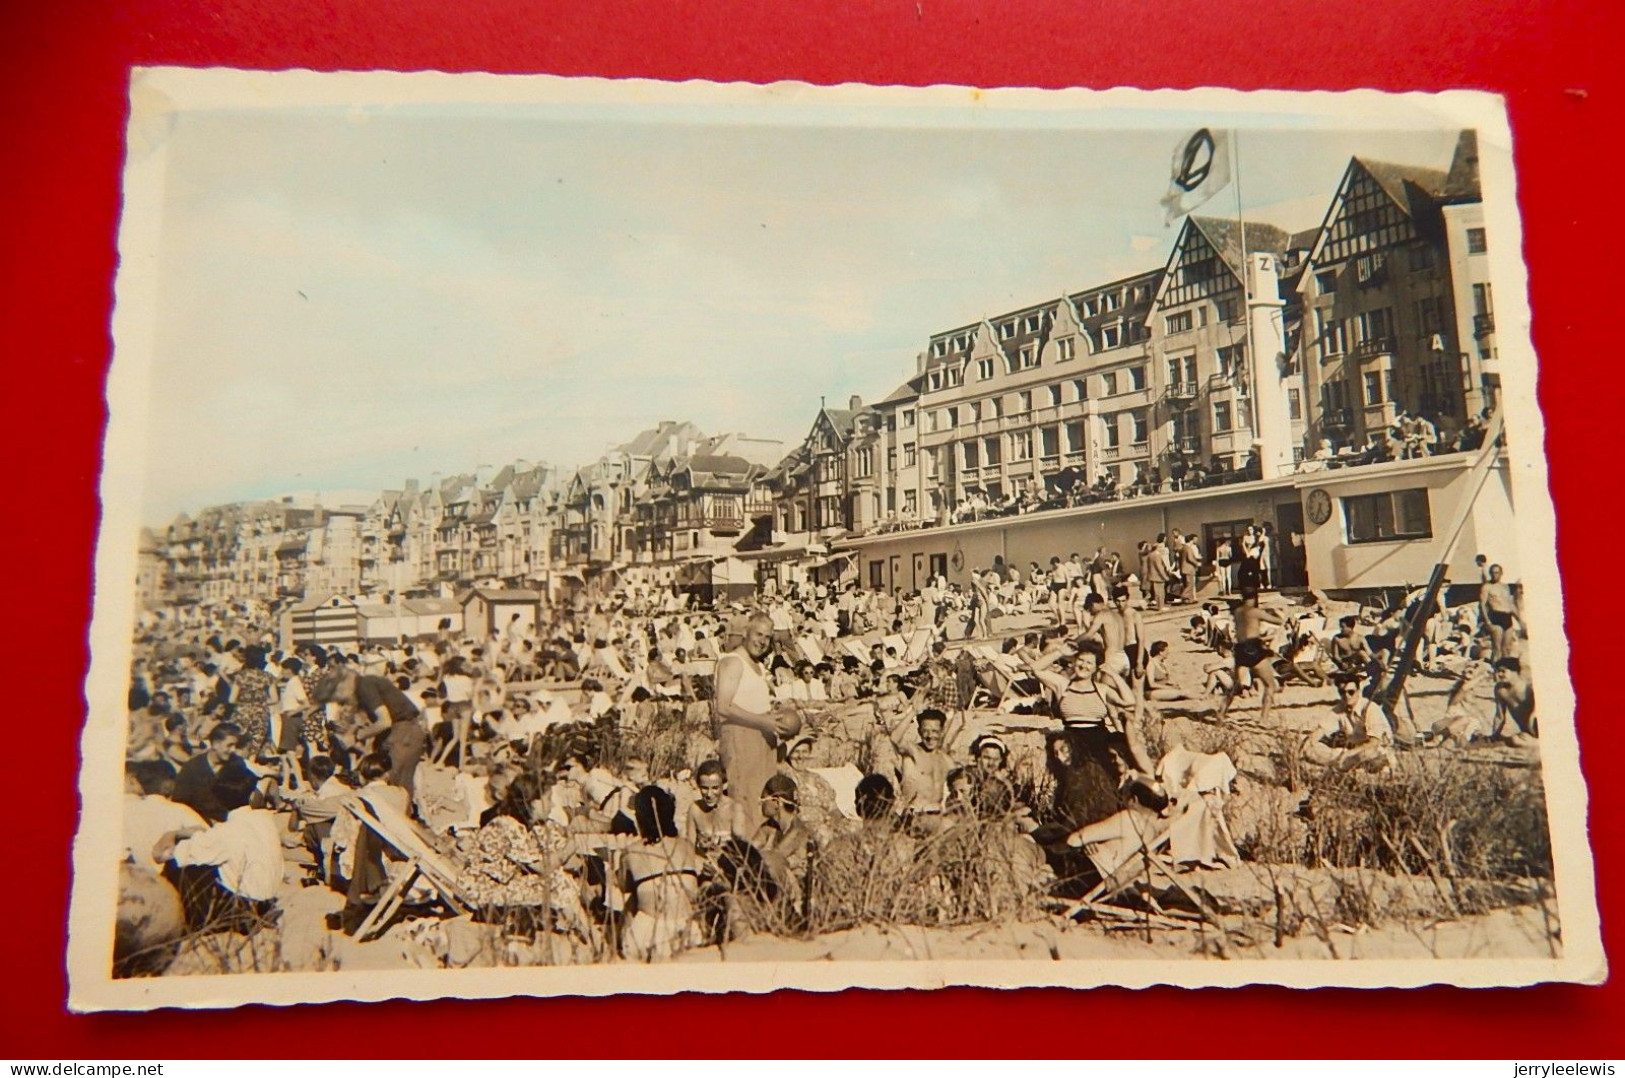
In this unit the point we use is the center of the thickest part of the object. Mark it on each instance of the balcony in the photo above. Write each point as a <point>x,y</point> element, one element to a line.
<point>1483,325</point>
<point>1111,452</point>
<point>1222,380</point>
<point>1182,393</point>
<point>1188,446</point>
<point>1336,419</point>
<point>1049,462</point>
<point>1374,346</point>
<point>1074,458</point>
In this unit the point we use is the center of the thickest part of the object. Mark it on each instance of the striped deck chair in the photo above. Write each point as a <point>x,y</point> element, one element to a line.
<point>395,829</point>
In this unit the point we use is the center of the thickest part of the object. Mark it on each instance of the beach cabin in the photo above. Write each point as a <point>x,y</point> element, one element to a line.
<point>334,621</point>
<point>487,612</point>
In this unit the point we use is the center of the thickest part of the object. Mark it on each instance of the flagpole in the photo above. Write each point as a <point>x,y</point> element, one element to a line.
<point>1246,297</point>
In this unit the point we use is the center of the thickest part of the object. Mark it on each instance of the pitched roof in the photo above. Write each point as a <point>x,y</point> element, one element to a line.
<point>1224,234</point>
<point>908,391</point>
<point>1404,182</point>
<point>1461,182</point>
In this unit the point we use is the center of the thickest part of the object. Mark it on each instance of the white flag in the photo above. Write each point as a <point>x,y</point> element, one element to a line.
<point>1201,169</point>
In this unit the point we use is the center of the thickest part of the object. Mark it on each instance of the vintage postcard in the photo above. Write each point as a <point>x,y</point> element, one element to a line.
<point>570,536</point>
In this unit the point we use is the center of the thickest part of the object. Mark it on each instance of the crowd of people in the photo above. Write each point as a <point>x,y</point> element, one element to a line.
<point>640,780</point>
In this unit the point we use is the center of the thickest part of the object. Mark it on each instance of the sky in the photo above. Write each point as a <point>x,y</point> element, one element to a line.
<point>348,297</point>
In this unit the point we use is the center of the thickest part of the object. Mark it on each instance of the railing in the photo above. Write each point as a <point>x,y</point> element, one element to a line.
<point>1074,458</point>
<point>1336,419</point>
<point>1374,346</point>
<point>1220,380</point>
<point>1483,325</point>
<point>1049,462</point>
<point>1182,392</point>
<point>1110,452</point>
<point>1189,446</point>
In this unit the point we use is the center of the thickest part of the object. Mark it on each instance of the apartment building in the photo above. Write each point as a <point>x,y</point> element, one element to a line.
<point>1398,301</point>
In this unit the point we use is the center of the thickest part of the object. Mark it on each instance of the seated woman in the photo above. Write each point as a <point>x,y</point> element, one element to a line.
<point>819,813</point>
<point>663,876</point>
<point>1086,791</point>
<point>516,863</point>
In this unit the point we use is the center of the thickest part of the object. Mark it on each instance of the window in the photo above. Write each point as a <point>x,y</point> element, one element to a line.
<point>1024,402</point>
<point>1051,441</point>
<point>1294,404</point>
<point>1422,257</point>
<point>1136,378</point>
<point>1111,336</point>
<point>1021,445</point>
<point>1114,433</point>
<point>1221,416</point>
<point>1032,323</point>
<point>1108,383</point>
<point>1137,331</point>
<point>1244,415</point>
<point>993,409</point>
<point>908,418</point>
<point>1007,330</point>
<point>1142,429</point>
<point>936,380</point>
<point>1229,310</point>
<point>1326,282</point>
<point>1333,337</point>
<point>1053,395</point>
<point>1429,316</point>
<point>911,502</point>
<point>973,412</point>
<point>1177,323</point>
<point>891,460</point>
<point>1065,349</point>
<point>1027,358</point>
<point>1482,304</point>
<point>910,455</point>
<point>1091,305</point>
<point>1230,359</point>
<point>952,415</point>
<point>1393,514</point>
<point>1074,437</point>
<point>1368,269</point>
<point>939,348</point>
<point>1477,241</point>
<point>1374,326</point>
<point>1080,389</point>
<point>877,573</point>
<point>1373,387</point>
<point>1182,370</point>
<point>990,451</point>
<point>973,456</point>
<point>984,369</point>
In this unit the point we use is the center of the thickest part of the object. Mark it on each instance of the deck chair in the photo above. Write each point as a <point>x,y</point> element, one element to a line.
<point>811,649</point>
<point>422,860</point>
<point>1133,849</point>
<point>919,646</point>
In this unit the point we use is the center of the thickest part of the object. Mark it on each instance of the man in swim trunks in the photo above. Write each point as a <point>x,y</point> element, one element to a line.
<point>1498,610</point>
<point>1251,652</point>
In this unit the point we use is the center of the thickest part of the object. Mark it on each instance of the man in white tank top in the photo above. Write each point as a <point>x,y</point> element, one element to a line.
<point>749,723</point>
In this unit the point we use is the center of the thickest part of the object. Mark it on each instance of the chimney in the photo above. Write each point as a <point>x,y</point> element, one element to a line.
<point>855,403</point>
<point>411,486</point>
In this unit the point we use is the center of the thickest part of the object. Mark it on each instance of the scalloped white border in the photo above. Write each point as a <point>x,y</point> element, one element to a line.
<point>157,94</point>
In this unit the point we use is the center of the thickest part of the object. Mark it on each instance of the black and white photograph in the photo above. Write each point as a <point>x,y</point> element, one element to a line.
<point>573,536</point>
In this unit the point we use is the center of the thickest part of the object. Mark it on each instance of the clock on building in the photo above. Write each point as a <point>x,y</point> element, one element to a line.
<point>1319,505</point>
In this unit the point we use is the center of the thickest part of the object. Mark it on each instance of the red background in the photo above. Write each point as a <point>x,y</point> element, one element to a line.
<point>64,80</point>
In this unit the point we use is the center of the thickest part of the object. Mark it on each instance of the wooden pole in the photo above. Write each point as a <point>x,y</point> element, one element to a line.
<point>1478,475</point>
